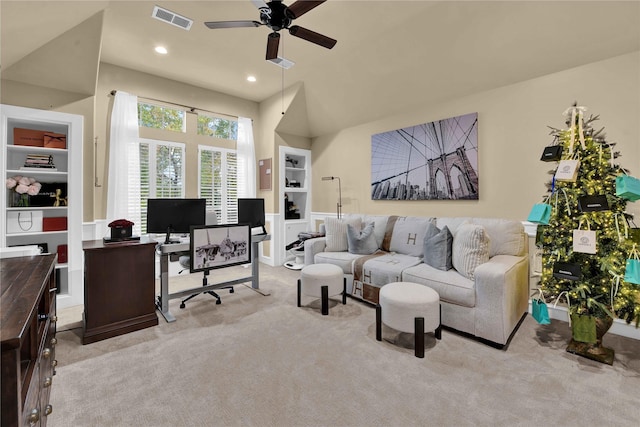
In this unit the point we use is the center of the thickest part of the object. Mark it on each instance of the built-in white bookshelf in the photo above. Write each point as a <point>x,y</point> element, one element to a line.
<point>67,171</point>
<point>295,195</point>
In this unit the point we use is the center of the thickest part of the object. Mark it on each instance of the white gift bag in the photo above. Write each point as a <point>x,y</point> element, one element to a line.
<point>24,222</point>
<point>567,170</point>
<point>584,241</point>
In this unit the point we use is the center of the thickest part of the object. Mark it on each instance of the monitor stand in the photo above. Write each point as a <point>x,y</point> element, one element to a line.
<point>167,239</point>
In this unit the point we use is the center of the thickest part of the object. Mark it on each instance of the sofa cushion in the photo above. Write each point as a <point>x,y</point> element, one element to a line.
<point>336,232</point>
<point>407,235</point>
<point>387,268</point>
<point>450,285</point>
<point>470,248</point>
<point>507,237</point>
<point>437,247</point>
<point>362,242</point>
<point>343,260</point>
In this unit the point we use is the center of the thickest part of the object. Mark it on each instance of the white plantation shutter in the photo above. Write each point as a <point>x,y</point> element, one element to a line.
<point>218,182</point>
<point>162,172</point>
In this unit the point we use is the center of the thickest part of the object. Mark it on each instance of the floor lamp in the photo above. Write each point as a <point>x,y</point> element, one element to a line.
<point>339,204</point>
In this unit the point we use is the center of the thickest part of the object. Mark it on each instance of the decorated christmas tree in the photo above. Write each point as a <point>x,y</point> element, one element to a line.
<point>586,240</point>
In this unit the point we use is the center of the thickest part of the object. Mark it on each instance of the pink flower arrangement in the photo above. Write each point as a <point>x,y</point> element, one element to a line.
<point>25,186</point>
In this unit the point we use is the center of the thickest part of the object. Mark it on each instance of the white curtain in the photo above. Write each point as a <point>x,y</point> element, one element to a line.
<point>123,199</point>
<point>246,159</point>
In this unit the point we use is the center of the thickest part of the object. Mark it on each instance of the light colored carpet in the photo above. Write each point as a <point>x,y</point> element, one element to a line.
<point>260,361</point>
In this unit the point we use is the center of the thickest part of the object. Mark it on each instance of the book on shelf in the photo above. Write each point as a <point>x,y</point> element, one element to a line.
<point>39,168</point>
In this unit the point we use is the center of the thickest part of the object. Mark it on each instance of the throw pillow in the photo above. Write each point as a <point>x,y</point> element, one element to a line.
<point>438,247</point>
<point>470,249</point>
<point>408,235</point>
<point>336,233</point>
<point>361,242</point>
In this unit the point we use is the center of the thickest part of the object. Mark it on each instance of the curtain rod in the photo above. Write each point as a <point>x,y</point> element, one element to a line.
<point>189,108</point>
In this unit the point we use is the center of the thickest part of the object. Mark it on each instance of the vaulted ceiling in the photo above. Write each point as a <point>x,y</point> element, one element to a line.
<point>390,55</point>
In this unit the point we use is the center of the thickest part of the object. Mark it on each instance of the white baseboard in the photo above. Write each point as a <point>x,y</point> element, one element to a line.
<point>619,327</point>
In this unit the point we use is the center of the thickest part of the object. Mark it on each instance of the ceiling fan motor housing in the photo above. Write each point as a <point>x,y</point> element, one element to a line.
<point>279,18</point>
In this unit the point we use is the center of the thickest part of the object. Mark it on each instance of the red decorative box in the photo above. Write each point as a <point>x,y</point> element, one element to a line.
<point>54,224</point>
<point>62,254</point>
<point>31,137</point>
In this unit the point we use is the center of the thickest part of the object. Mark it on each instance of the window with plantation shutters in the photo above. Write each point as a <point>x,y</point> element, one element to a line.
<point>161,173</point>
<point>218,182</point>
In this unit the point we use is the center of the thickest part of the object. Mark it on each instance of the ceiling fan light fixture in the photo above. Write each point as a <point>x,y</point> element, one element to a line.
<point>282,62</point>
<point>161,50</point>
<point>252,79</point>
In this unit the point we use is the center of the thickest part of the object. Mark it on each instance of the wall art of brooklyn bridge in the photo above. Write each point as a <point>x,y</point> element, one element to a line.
<point>431,161</point>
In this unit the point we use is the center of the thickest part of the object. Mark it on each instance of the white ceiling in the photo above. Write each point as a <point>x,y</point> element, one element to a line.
<point>390,55</point>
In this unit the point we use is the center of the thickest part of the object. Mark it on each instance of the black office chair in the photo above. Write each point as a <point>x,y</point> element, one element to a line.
<point>185,262</point>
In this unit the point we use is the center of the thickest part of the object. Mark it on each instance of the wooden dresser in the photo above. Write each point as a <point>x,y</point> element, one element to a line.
<point>28,329</point>
<point>119,288</point>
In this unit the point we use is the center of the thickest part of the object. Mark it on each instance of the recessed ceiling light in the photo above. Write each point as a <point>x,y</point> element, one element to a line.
<point>251,79</point>
<point>161,50</point>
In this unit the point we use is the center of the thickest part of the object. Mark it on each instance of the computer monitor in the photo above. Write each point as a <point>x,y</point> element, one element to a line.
<point>251,211</point>
<point>219,246</point>
<point>167,216</point>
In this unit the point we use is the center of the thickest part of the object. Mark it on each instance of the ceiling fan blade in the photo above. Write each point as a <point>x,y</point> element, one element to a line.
<point>301,7</point>
<point>273,41</point>
<point>312,36</point>
<point>232,24</point>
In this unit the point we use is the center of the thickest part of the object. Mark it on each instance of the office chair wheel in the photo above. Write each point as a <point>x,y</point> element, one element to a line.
<point>218,302</point>
<point>182,305</point>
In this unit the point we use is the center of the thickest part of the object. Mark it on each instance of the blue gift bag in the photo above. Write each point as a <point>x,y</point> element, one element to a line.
<point>540,312</point>
<point>540,213</point>
<point>632,271</point>
<point>628,187</point>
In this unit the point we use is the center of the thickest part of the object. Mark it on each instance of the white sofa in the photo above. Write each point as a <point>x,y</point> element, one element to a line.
<point>487,298</point>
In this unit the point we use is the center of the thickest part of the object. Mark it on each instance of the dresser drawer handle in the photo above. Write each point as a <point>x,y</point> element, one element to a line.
<point>46,353</point>
<point>48,410</point>
<point>34,416</point>
<point>54,341</point>
<point>54,363</point>
<point>47,382</point>
<point>54,318</point>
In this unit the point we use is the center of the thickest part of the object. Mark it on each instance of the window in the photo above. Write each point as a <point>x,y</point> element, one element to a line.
<point>218,182</point>
<point>160,117</point>
<point>218,127</point>
<point>161,172</point>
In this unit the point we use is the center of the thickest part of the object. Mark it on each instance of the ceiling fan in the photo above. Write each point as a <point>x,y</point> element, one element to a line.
<point>278,16</point>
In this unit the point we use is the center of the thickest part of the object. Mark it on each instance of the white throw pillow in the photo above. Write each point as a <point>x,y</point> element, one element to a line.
<point>336,233</point>
<point>470,249</point>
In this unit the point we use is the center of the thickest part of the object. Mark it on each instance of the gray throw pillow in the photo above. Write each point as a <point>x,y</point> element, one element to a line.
<point>437,247</point>
<point>361,242</point>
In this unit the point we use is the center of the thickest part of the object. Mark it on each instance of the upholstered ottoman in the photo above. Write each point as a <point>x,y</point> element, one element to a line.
<point>322,281</point>
<point>409,307</point>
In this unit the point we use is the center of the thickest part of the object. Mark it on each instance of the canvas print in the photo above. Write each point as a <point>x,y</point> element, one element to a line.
<point>218,246</point>
<point>432,161</point>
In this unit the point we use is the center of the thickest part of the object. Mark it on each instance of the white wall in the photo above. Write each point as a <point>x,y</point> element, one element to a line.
<point>512,132</point>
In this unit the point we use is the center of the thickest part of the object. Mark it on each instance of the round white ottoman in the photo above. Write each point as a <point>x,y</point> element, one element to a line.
<point>322,281</point>
<point>409,307</point>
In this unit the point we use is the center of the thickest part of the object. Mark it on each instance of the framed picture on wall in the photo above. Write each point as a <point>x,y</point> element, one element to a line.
<point>431,161</point>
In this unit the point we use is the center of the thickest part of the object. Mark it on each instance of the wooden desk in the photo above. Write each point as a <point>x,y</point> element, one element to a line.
<point>119,288</point>
<point>28,329</point>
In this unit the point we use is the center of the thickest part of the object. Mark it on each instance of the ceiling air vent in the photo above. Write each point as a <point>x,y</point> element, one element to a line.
<point>171,18</point>
<point>282,62</point>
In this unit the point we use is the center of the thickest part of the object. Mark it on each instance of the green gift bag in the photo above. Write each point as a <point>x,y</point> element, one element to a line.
<point>583,328</point>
